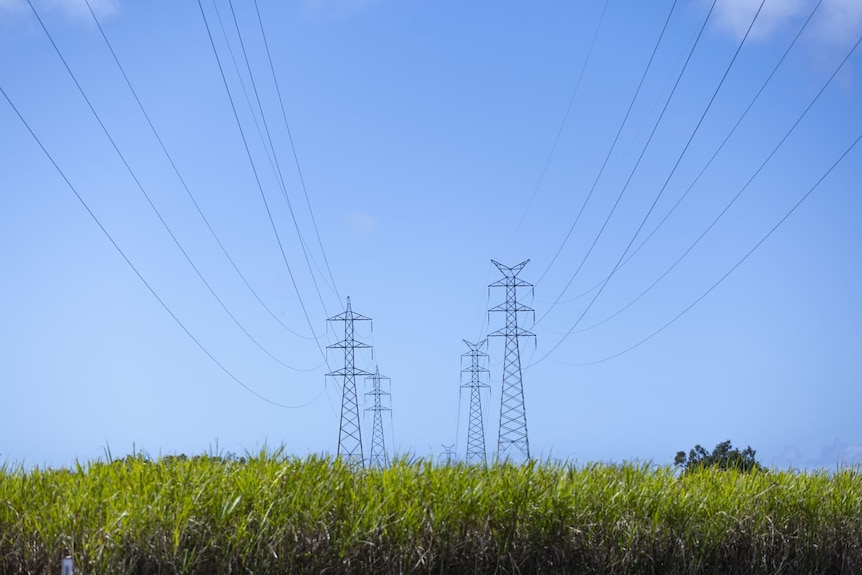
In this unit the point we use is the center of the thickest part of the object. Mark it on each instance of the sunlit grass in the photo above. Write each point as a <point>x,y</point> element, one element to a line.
<point>271,514</point>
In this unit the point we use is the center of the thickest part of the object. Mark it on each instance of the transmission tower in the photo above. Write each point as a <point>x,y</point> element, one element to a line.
<point>377,457</point>
<point>448,453</point>
<point>476,427</point>
<point>349,434</point>
<point>513,416</point>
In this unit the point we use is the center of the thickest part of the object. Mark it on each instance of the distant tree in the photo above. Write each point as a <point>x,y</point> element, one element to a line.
<point>724,456</point>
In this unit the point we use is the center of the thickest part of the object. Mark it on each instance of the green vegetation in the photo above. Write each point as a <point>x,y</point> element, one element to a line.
<point>724,456</point>
<point>272,515</point>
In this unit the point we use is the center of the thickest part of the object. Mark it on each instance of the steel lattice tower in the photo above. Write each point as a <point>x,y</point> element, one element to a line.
<point>448,452</point>
<point>349,434</point>
<point>476,426</point>
<point>377,457</point>
<point>513,416</point>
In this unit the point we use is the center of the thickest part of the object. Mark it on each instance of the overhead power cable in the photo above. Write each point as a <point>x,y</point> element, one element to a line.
<point>697,179</point>
<point>236,67</point>
<point>257,180</point>
<point>562,125</point>
<point>182,180</point>
<point>626,185</point>
<point>271,146</point>
<point>295,155</point>
<point>149,200</point>
<point>643,221</point>
<point>732,269</point>
<point>138,273</point>
<point>605,162</point>
<point>771,154</point>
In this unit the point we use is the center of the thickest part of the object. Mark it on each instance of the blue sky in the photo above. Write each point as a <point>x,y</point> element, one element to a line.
<point>431,139</point>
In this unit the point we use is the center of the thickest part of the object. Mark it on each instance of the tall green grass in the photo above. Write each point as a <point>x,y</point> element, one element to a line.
<point>270,515</point>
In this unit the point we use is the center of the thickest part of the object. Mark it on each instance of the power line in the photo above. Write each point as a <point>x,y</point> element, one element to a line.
<point>705,167</point>
<point>293,149</point>
<point>729,204</point>
<point>560,130</point>
<point>732,269</point>
<point>280,177</point>
<point>798,120</point>
<point>269,152</point>
<point>605,163</point>
<point>138,273</point>
<point>257,180</point>
<point>182,180</point>
<point>147,196</point>
<point>631,173</point>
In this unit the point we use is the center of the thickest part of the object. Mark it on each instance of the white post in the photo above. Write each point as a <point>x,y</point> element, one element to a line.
<point>67,566</point>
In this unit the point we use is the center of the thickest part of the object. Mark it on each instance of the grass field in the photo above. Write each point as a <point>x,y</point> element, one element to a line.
<point>270,515</point>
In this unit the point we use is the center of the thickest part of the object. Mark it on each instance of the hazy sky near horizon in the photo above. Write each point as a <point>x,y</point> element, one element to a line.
<point>602,141</point>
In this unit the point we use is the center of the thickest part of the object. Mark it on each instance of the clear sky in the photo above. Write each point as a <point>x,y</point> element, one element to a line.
<point>431,138</point>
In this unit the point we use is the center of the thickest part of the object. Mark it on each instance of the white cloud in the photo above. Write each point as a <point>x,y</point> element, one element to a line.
<point>735,16</point>
<point>834,21</point>
<point>841,20</point>
<point>72,9</point>
<point>836,455</point>
<point>790,457</point>
<point>840,453</point>
<point>79,9</point>
<point>12,6</point>
<point>362,223</point>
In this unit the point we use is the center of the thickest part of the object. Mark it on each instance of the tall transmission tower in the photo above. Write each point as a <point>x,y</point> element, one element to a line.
<point>377,457</point>
<point>349,434</point>
<point>513,416</point>
<point>476,426</point>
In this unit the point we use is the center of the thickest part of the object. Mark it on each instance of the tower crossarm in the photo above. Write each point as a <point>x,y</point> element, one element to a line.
<point>516,307</point>
<point>345,344</point>
<point>512,331</point>
<point>510,271</point>
<point>510,281</point>
<point>347,372</point>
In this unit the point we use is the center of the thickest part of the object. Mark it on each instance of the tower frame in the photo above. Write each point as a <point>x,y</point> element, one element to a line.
<point>349,429</point>
<point>512,432</point>
<point>476,453</point>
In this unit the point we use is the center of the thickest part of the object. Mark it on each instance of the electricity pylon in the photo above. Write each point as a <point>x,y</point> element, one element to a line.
<point>377,457</point>
<point>513,416</point>
<point>448,453</point>
<point>476,426</point>
<point>349,434</point>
